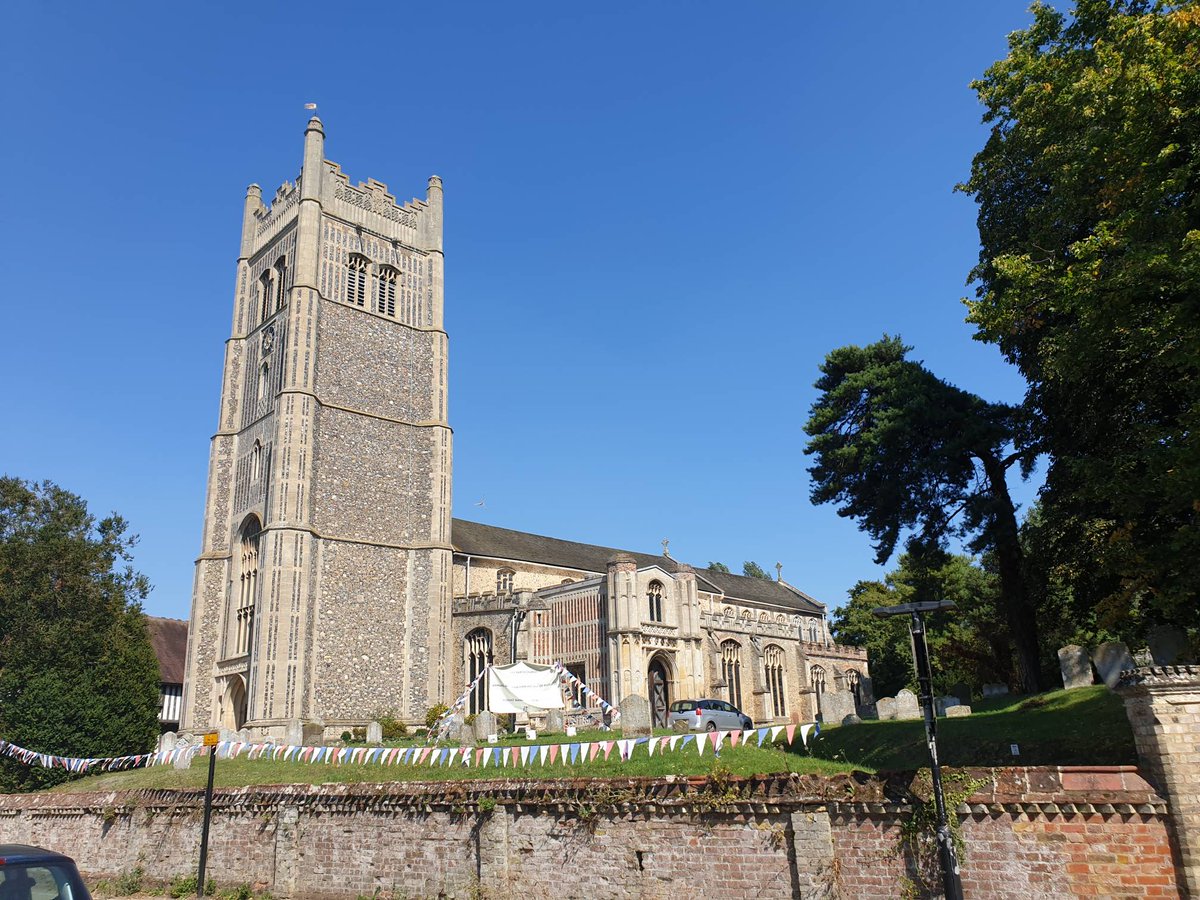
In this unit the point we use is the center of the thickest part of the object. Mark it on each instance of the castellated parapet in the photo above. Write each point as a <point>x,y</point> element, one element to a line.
<point>322,588</point>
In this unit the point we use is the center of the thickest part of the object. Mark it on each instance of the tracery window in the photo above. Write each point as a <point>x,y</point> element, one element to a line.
<point>356,280</point>
<point>247,586</point>
<point>854,683</point>
<point>654,594</point>
<point>264,378</point>
<point>504,581</point>
<point>280,282</point>
<point>731,670</point>
<point>773,661</point>
<point>385,291</point>
<point>264,296</point>
<point>478,656</point>
<point>256,462</point>
<point>816,674</point>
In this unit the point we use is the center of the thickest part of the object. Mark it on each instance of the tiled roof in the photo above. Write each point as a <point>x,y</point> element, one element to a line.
<point>169,639</point>
<point>477,539</point>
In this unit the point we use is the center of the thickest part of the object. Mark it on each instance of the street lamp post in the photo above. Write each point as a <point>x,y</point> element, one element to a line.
<point>951,883</point>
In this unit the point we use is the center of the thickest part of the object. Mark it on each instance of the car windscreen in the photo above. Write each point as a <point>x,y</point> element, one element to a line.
<point>40,881</point>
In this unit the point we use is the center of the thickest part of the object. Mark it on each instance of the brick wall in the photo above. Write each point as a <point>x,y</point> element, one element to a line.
<point>1029,832</point>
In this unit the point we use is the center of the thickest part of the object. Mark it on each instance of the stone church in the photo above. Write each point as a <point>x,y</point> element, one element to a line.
<point>333,586</point>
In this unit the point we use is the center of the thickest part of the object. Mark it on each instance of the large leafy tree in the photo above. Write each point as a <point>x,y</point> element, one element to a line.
<point>905,453</point>
<point>78,676</point>
<point>1089,281</point>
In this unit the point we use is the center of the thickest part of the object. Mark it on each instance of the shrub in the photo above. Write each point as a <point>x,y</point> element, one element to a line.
<point>185,886</point>
<point>434,713</point>
<point>393,729</point>
<point>347,737</point>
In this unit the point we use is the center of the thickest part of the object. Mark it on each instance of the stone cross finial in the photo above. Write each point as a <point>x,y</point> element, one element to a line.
<point>666,551</point>
<point>779,571</point>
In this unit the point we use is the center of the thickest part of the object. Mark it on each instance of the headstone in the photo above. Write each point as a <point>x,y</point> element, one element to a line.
<point>1075,666</point>
<point>941,704</point>
<point>994,690</point>
<point>962,691</point>
<point>485,724</point>
<point>455,726</point>
<point>224,734</point>
<point>187,739</point>
<point>635,716</point>
<point>958,712</point>
<point>554,721</point>
<point>851,720</point>
<point>184,760</point>
<point>374,734</point>
<point>312,734</point>
<point>168,741</point>
<point>836,705</point>
<point>293,733</point>
<point>885,707</point>
<point>245,736</point>
<point>681,725</point>
<point>1111,659</point>
<point>906,705</point>
<point>1167,645</point>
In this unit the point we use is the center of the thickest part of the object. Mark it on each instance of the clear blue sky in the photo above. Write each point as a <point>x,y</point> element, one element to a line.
<point>659,218</point>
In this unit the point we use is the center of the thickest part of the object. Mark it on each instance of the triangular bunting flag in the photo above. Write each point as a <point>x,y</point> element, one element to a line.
<point>574,753</point>
<point>525,755</point>
<point>804,730</point>
<point>674,740</point>
<point>776,730</point>
<point>543,752</point>
<point>791,733</point>
<point>700,742</point>
<point>606,746</point>
<point>650,747</point>
<point>734,737</point>
<point>715,738</point>
<point>592,750</point>
<point>553,752</point>
<point>762,733</point>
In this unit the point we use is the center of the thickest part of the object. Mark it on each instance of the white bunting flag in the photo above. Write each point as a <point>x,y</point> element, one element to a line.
<point>776,730</point>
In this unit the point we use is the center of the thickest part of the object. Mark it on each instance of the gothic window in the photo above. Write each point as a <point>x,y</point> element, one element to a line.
<point>247,586</point>
<point>853,682</point>
<point>504,581</point>
<point>478,653</point>
<point>773,660</point>
<point>731,671</point>
<point>264,296</point>
<point>385,291</point>
<point>264,378</point>
<point>256,462</point>
<point>816,675</point>
<point>356,280</point>
<point>280,282</point>
<point>655,597</point>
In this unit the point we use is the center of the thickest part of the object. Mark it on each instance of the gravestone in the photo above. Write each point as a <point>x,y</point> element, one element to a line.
<point>1075,666</point>
<point>885,708</point>
<point>456,724</point>
<point>1167,645</point>
<point>682,725</point>
<point>374,734</point>
<point>224,734</point>
<point>635,716</point>
<point>906,705</point>
<point>312,734</point>
<point>245,736</point>
<point>168,741</point>
<point>554,721</point>
<point>962,691</point>
<point>187,739</point>
<point>486,725</point>
<point>852,720</point>
<point>184,760</point>
<point>293,733</point>
<point>836,705</point>
<point>994,690</point>
<point>957,712</point>
<point>941,704</point>
<point>1111,659</point>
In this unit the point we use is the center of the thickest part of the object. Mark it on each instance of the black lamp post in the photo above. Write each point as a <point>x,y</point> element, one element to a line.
<point>951,883</point>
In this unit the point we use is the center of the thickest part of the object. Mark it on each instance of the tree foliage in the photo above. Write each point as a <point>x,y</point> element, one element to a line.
<point>905,453</point>
<point>78,676</point>
<point>717,567</point>
<point>754,570</point>
<point>1089,281</point>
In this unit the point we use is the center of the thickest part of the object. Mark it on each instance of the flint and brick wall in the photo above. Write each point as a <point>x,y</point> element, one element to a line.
<point>1029,832</point>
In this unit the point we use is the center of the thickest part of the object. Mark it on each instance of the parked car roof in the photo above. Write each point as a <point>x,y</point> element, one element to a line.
<point>24,853</point>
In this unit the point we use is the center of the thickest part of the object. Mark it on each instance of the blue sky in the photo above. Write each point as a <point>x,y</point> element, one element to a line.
<point>659,219</point>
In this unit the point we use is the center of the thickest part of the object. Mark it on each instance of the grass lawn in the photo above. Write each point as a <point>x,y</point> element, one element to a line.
<point>1085,726</point>
<point>741,760</point>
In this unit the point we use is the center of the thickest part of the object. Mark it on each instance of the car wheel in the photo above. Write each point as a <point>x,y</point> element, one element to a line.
<point>711,726</point>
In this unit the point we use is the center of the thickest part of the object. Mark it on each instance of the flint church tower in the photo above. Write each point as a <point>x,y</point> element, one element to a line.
<point>322,591</point>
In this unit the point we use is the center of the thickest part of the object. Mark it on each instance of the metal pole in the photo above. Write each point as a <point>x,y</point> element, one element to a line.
<point>951,883</point>
<point>212,768</point>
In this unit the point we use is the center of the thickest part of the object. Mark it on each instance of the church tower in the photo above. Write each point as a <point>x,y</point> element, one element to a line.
<point>322,588</point>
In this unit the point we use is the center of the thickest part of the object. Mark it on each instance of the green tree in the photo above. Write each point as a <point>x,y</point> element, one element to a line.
<point>717,567</point>
<point>969,644</point>
<point>78,676</point>
<point>1089,282</point>
<point>754,570</point>
<point>904,452</point>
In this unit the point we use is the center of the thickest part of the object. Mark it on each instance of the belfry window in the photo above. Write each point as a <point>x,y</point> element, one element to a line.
<point>731,671</point>
<point>654,595</point>
<point>280,282</point>
<point>264,378</point>
<point>264,296</point>
<point>504,581</point>
<point>356,280</point>
<point>478,653</point>
<point>385,291</point>
<point>256,462</point>
<point>773,662</point>
<point>247,586</point>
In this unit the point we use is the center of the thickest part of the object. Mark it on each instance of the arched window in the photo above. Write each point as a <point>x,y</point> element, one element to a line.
<point>731,670</point>
<point>477,657</point>
<point>256,462</point>
<point>280,282</point>
<point>385,291</point>
<point>773,661</point>
<point>812,633</point>
<point>247,586</point>
<point>356,280</point>
<point>817,675</point>
<point>654,594</point>
<point>264,296</point>
<point>264,378</point>
<point>854,683</point>
<point>504,581</point>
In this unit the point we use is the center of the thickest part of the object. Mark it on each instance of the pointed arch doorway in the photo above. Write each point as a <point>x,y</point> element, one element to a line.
<point>659,681</point>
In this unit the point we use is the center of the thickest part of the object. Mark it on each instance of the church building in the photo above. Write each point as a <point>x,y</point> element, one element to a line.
<point>334,587</point>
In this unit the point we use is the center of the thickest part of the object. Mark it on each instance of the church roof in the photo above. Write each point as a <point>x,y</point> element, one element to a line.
<point>477,539</point>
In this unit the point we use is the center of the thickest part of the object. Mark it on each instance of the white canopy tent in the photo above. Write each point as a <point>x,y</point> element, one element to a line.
<point>523,687</point>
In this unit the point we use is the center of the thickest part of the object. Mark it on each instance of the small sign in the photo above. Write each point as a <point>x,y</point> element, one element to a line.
<point>571,731</point>
<point>212,739</point>
<point>493,738</point>
<point>1015,749</point>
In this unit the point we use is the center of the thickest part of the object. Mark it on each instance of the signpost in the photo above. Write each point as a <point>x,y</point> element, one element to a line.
<point>210,741</point>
